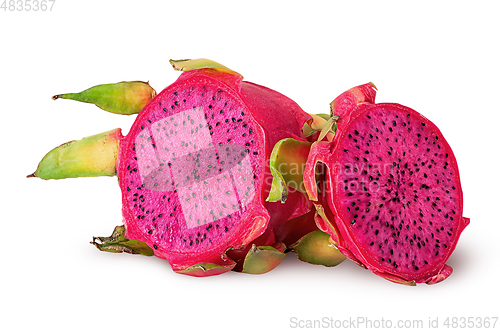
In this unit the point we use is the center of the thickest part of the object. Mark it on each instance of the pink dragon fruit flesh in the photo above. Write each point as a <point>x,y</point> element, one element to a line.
<point>387,189</point>
<point>194,171</point>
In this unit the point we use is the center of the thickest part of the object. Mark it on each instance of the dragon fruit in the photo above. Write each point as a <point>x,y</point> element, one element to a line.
<point>193,170</point>
<point>387,189</point>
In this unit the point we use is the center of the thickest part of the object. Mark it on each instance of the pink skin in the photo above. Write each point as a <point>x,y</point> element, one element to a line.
<point>262,108</point>
<point>343,105</point>
<point>336,220</point>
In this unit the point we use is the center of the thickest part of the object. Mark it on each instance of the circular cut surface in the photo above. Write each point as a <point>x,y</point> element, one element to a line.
<point>398,191</point>
<point>190,169</point>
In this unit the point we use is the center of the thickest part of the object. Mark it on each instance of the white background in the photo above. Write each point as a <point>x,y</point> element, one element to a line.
<point>438,57</point>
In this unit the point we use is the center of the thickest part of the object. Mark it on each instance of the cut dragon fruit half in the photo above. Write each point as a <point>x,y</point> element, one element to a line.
<point>389,189</point>
<point>194,170</point>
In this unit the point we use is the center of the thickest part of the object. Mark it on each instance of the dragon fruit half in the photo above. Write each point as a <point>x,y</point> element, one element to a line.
<point>386,188</point>
<point>193,170</point>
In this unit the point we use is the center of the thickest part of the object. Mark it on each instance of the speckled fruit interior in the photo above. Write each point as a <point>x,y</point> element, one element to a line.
<point>190,167</point>
<point>398,189</point>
